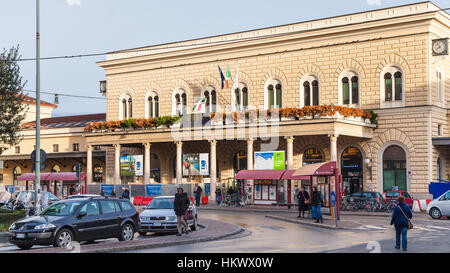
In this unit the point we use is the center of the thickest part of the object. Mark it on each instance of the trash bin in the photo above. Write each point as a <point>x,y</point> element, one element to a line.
<point>205,200</point>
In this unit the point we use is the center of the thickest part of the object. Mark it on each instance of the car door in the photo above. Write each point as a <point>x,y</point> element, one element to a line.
<point>88,226</point>
<point>109,218</point>
<point>444,204</point>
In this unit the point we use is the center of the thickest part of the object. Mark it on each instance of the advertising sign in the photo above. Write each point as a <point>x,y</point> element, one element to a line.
<point>131,165</point>
<point>107,189</point>
<point>153,190</point>
<point>269,160</point>
<point>196,164</point>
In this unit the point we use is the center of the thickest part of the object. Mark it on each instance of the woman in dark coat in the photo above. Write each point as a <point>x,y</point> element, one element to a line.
<point>400,222</point>
<point>180,205</point>
<point>302,196</point>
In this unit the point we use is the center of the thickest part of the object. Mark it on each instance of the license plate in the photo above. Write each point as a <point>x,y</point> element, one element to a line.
<point>156,224</point>
<point>20,236</point>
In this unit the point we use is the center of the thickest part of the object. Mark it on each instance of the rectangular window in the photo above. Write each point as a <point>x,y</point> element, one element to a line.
<point>55,148</point>
<point>398,88</point>
<point>439,130</point>
<point>315,95</point>
<point>388,89</point>
<point>279,98</point>
<point>76,147</point>
<point>17,149</point>
<point>245,99</point>
<point>346,93</point>
<point>271,99</point>
<point>307,96</point>
<point>355,93</point>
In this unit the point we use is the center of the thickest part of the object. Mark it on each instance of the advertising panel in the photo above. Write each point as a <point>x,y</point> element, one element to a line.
<point>132,165</point>
<point>196,164</point>
<point>269,160</point>
<point>153,190</point>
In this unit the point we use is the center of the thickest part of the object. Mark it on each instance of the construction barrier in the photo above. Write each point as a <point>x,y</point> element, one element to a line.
<point>420,205</point>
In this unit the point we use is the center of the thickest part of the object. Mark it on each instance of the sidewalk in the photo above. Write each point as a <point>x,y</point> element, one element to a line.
<point>327,221</point>
<point>212,230</point>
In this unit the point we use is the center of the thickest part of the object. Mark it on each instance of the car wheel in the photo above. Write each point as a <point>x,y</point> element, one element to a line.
<point>126,232</point>
<point>24,247</point>
<point>194,224</point>
<point>435,213</point>
<point>63,238</point>
<point>142,233</point>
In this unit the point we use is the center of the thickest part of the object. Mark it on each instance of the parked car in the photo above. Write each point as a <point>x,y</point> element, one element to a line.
<point>391,196</point>
<point>365,196</point>
<point>440,206</point>
<point>77,220</point>
<point>159,216</point>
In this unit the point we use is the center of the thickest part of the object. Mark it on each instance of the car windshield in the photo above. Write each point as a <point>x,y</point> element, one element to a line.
<point>161,203</point>
<point>392,194</point>
<point>62,208</point>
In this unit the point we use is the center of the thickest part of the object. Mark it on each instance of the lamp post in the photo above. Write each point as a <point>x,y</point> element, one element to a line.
<point>38,113</point>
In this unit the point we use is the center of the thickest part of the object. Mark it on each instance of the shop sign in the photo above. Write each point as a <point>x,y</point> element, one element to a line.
<point>153,190</point>
<point>264,181</point>
<point>196,164</point>
<point>269,160</point>
<point>131,165</point>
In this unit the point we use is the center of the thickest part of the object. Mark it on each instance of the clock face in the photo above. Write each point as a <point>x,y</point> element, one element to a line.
<point>440,46</point>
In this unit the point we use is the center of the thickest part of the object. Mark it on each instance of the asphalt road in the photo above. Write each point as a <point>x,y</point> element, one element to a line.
<point>264,235</point>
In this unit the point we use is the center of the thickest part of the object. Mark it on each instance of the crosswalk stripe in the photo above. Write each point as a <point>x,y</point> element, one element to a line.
<point>437,227</point>
<point>422,228</point>
<point>374,227</point>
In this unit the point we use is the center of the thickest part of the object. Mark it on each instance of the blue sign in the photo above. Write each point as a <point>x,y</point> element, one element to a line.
<point>153,190</point>
<point>333,198</point>
<point>207,188</point>
<point>11,189</point>
<point>107,189</point>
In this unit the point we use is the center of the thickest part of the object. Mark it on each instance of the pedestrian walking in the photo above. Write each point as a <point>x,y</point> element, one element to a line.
<point>126,193</point>
<point>198,195</point>
<point>400,219</point>
<point>303,202</point>
<point>180,205</point>
<point>113,193</point>
<point>72,190</point>
<point>102,192</point>
<point>218,196</point>
<point>317,203</point>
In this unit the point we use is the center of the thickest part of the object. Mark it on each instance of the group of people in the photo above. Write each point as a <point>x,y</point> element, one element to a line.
<point>316,203</point>
<point>219,193</point>
<point>125,193</point>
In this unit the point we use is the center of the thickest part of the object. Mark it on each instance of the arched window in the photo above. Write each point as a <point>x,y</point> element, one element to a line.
<point>274,94</point>
<point>210,95</point>
<point>152,105</point>
<point>349,88</point>
<point>394,168</point>
<point>352,170</point>
<point>309,91</point>
<point>240,97</point>
<point>125,107</point>
<point>392,87</point>
<point>179,102</point>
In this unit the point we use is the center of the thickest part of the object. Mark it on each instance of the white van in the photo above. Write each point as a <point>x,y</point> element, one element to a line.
<point>440,206</point>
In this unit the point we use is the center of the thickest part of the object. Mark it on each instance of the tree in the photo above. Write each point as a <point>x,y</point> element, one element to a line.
<point>12,109</point>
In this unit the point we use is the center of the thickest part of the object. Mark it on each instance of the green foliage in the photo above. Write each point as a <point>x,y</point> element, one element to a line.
<point>7,217</point>
<point>374,117</point>
<point>128,123</point>
<point>12,108</point>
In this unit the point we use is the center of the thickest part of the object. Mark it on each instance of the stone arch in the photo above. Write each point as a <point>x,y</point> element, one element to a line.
<point>275,73</point>
<point>397,136</point>
<point>311,69</point>
<point>245,78</point>
<point>393,59</point>
<point>209,80</point>
<point>302,143</point>
<point>350,64</point>
<point>345,142</point>
<point>127,90</point>
<point>181,84</point>
<point>152,86</point>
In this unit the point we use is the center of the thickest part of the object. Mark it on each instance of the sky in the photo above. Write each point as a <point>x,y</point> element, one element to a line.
<point>74,27</point>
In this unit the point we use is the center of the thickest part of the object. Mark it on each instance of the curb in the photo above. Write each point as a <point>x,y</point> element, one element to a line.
<point>303,223</point>
<point>156,245</point>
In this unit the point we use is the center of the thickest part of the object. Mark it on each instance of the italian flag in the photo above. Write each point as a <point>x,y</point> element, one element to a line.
<point>199,106</point>
<point>228,77</point>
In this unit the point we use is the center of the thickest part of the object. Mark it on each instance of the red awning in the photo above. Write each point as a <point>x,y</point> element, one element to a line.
<point>324,168</point>
<point>260,174</point>
<point>288,175</point>
<point>52,177</point>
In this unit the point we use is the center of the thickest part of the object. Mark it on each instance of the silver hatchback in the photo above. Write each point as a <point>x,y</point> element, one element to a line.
<point>159,216</point>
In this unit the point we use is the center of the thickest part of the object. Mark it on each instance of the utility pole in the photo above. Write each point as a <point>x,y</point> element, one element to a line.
<point>38,114</point>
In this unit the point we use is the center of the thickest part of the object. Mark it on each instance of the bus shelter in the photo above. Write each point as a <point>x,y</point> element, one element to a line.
<point>50,181</point>
<point>328,180</point>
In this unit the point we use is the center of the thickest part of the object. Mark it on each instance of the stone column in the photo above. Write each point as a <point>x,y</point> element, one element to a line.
<point>290,152</point>
<point>147,160</point>
<point>333,147</point>
<point>250,154</point>
<point>213,174</point>
<point>117,164</point>
<point>89,164</point>
<point>179,158</point>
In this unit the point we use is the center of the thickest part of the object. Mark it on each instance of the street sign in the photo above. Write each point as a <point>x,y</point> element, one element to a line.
<point>43,156</point>
<point>333,198</point>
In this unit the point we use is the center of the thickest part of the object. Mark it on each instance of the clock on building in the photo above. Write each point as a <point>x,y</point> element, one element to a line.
<point>440,47</point>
